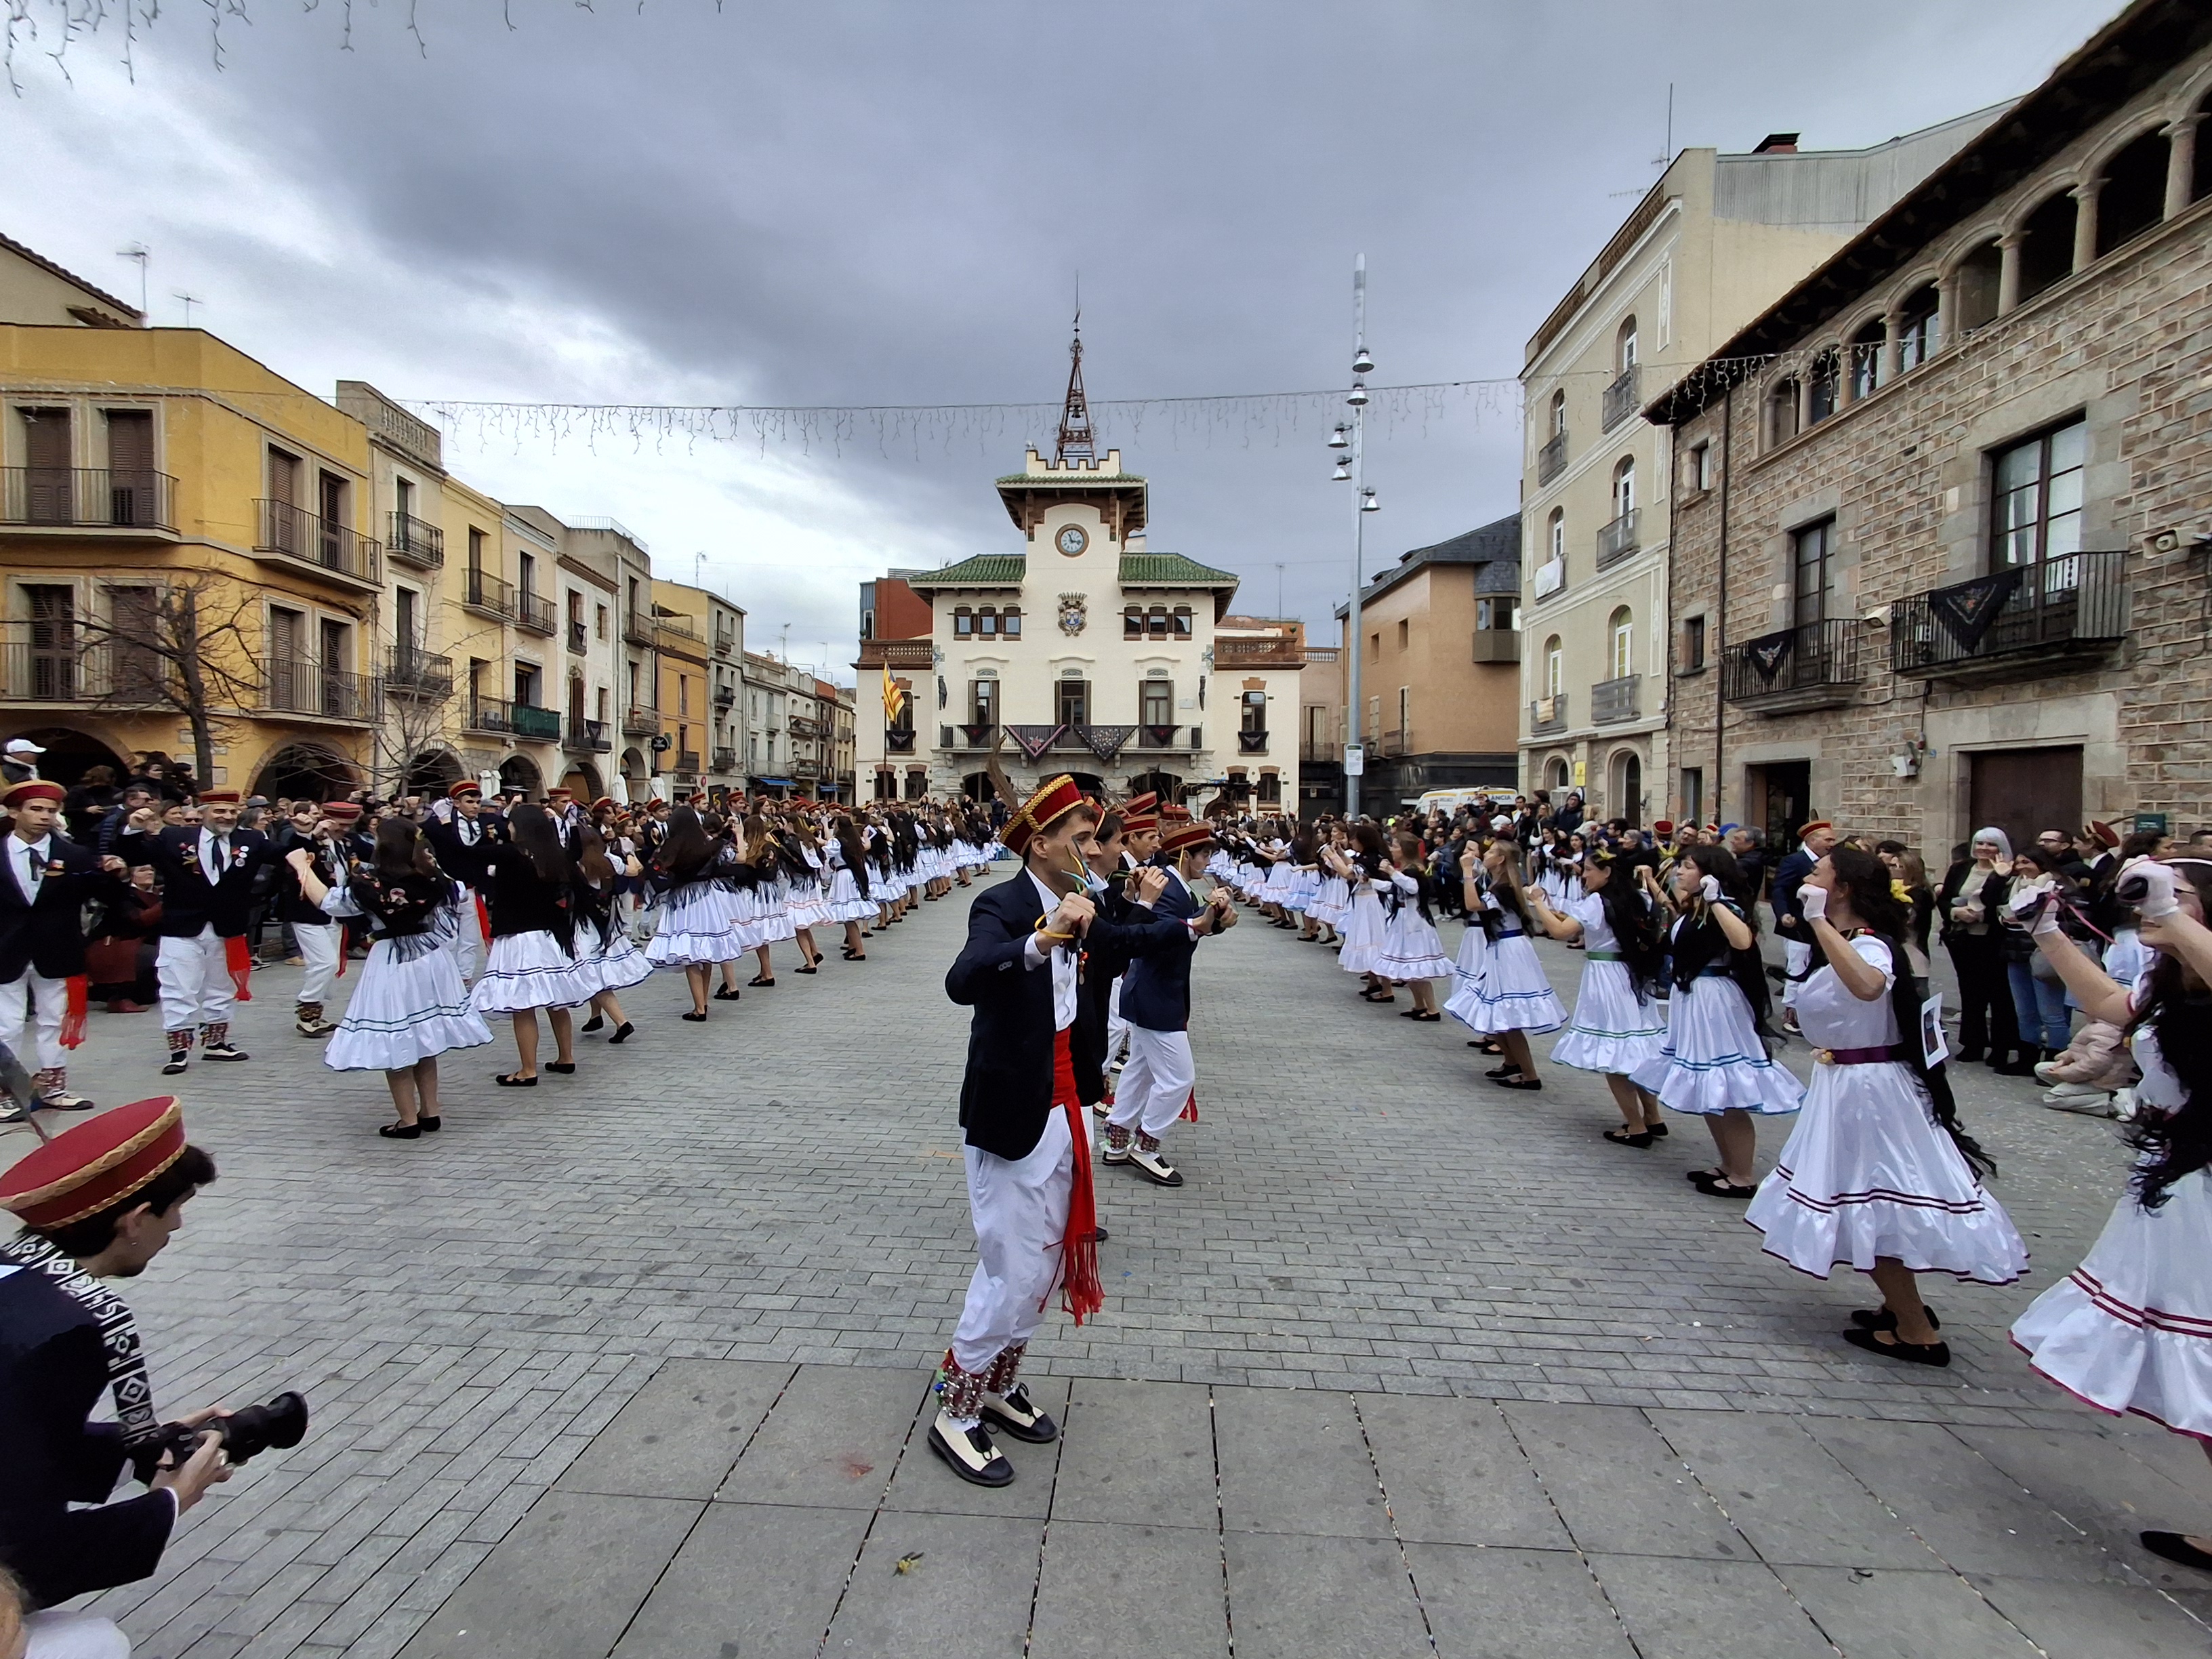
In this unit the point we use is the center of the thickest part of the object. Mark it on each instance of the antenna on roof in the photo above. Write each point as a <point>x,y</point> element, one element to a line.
<point>1662,160</point>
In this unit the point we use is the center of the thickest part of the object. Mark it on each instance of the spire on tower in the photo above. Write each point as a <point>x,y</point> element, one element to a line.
<point>1075,435</point>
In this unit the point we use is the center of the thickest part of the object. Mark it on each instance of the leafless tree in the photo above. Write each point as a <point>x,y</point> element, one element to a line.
<point>183,643</point>
<point>413,724</point>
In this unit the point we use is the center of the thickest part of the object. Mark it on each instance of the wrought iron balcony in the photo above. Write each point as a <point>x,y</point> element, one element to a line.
<point>638,629</point>
<point>293,536</point>
<point>1168,737</point>
<point>724,695</point>
<point>1551,458</point>
<point>94,498</point>
<point>641,722</point>
<point>1614,700</point>
<point>1813,666</point>
<point>589,737</point>
<point>418,674</point>
<point>534,614</point>
<point>805,767</point>
<point>726,760</point>
<point>687,760</point>
<point>1548,714</point>
<point>725,641</point>
<point>2014,620</point>
<point>493,595</point>
<point>898,653</point>
<point>978,734</point>
<point>288,687</point>
<point>1620,400</point>
<point>1618,540</point>
<point>805,725</point>
<point>36,666</point>
<point>411,541</point>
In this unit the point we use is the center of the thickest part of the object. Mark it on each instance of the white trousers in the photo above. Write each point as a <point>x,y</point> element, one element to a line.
<point>194,980</point>
<point>320,946</point>
<point>468,943</point>
<point>1019,1207</point>
<point>1795,958</point>
<point>34,999</point>
<point>1117,1029</point>
<point>64,1634</point>
<point>1156,1083</point>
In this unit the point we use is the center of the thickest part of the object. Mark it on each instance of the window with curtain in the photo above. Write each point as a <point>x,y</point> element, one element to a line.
<point>2037,497</point>
<point>1621,633</point>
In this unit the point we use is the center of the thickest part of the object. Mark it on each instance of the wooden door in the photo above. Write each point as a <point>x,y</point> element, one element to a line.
<point>131,497</point>
<point>2023,791</point>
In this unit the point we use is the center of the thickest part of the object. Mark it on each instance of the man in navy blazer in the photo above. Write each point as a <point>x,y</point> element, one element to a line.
<point>1028,1157</point>
<point>1157,1084</point>
<point>42,895</point>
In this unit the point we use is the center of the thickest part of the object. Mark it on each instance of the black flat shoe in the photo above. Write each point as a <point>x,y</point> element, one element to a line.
<point>566,1068</point>
<point>622,1032</point>
<point>515,1080</point>
<point>1623,1138</point>
<point>431,1125</point>
<point>1427,1018</point>
<point>697,1018</point>
<point>1658,1132</point>
<point>727,993</point>
<point>1508,1069</point>
<point>1719,1186</point>
<point>807,970</point>
<point>2174,1546</point>
<point>1517,1081</point>
<point>1881,1319</point>
<point>1913,1353</point>
<point>401,1131</point>
<point>594,1024</point>
<point>764,984</point>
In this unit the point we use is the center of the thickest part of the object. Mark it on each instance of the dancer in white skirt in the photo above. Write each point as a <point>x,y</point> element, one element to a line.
<point>1305,882</point>
<point>809,886</point>
<point>1331,900</point>
<point>1364,869</point>
<point>1617,1026</point>
<point>850,900</point>
<point>604,948</point>
<point>1877,1175</point>
<point>532,964</point>
<point>691,872</point>
<point>1413,954</point>
<point>410,1005</point>
<point>2130,1329</point>
<point>1715,1064</point>
<point>771,906</point>
<point>1514,998</point>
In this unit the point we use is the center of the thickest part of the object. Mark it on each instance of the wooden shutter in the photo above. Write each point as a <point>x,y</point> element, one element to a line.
<point>47,476</point>
<point>132,498</point>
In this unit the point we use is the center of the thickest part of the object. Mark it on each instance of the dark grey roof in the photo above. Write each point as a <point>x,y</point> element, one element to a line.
<point>1495,547</point>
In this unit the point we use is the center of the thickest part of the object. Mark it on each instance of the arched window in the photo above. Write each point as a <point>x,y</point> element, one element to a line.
<point>1182,622</point>
<point>963,623</point>
<point>1782,410</point>
<point>987,622</point>
<point>1977,281</point>
<point>1555,667</point>
<point>1824,389</point>
<point>1157,622</point>
<point>1556,773</point>
<point>1555,535</point>
<point>1620,632</point>
<point>1559,414</point>
<point>1132,622</point>
<point>1623,346</point>
<point>2200,182</point>
<point>1866,359</point>
<point>1624,486</point>
<point>2046,245</point>
<point>2131,194</point>
<point>1919,327</point>
<point>1010,622</point>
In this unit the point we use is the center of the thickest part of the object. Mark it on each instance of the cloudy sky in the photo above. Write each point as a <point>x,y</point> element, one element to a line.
<point>891,205</point>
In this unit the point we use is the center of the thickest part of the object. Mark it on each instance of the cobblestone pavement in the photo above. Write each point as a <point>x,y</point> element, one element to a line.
<point>775,1200</point>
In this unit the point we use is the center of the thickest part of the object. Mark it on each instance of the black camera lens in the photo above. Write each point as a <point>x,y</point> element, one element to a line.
<point>2132,887</point>
<point>283,1423</point>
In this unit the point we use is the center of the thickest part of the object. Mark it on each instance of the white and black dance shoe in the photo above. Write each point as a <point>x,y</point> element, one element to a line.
<point>1019,1416</point>
<point>221,1051</point>
<point>63,1101</point>
<point>969,1453</point>
<point>179,1060</point>
<point>1153,1167</point>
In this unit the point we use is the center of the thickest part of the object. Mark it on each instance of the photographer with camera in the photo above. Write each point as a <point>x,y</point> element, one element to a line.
<point>100,1201</point>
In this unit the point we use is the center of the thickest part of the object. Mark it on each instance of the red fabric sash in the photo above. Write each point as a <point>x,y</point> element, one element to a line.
<point>483,918</point>
<point>1189,1113</point>
<point>73,1014</point>
<point>1080,1291</point>
<point>240,961</point>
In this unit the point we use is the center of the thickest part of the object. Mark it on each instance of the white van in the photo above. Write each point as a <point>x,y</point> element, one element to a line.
<point>1488,797</point>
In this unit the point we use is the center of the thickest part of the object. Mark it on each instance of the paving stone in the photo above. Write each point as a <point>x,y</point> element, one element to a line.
<point>1503,1603</point>
<point>833,1439</point>
<point>1454,1474</point>
<point>754,1579</point>
<point>679,1436</point>
<point>2108,1491</point>
<point>1296,1462</point>
<point>1889,1614</point>
<point>2072,1621</point>
<point>1704,1610</point>
<point>968,1593</point>
<point>564,1583</point>
<point>1111,1590</point>
<point>1313,1597</point>
<point>1619,1486</point>
<point>1138,1452</point>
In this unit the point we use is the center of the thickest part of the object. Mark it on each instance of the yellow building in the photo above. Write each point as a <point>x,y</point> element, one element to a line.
<point>680,628</point>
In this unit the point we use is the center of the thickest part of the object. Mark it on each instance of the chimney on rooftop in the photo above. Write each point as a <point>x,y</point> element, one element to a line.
<point>1776,143</point>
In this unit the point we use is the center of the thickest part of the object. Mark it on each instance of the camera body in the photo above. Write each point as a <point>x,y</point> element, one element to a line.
<point>2149,887</point>
<point>246,1432</point>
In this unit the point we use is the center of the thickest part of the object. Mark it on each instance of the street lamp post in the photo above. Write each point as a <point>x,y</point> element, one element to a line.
<point>1354,437</point>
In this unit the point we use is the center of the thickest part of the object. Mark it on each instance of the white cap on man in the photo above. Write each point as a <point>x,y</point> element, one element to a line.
<point>24,746</point>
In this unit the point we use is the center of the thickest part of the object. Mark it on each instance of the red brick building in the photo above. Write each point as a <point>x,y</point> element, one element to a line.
<point>1943,530</point>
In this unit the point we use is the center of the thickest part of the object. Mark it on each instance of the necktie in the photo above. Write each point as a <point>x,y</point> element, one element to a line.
<point>217,857</point>
<point>36,871</point>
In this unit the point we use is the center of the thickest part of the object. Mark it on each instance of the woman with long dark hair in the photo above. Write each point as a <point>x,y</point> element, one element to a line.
<point>1877,1175</point>
<point>850,900</point>
<point>410,1005</point>
<point>1616,1024</point>
<point>1715,1063</point>
<point>691,872</point>
<point>604,950</point>
<point>1364,869</point>
<point>532,964</point>
<point>1413,954</point>
<point>1514,999</point>
<point>810,886</point>
<point>2130,1329</point>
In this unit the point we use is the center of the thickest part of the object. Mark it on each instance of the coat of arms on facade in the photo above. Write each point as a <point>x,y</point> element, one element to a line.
<point>1074,613</point>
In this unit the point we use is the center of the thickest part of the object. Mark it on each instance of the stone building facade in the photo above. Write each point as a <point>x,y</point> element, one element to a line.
<point>1942,530</point>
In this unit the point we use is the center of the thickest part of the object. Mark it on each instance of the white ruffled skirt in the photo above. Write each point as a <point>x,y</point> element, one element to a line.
<point>1869,1172</point>
<point>1331,900</point>
<point>405,1010</point>
<point>1364,933</point>
<point>1512,994</point>
<point>698,926</point>
<point>2130,1329</point>
<point>1611,1030</point>
<point>809,905</point>
<point>614,966</point>
<point>1712,1060</point>
<point>847,902</point>
<point>1411,949</point>
<point>529,971</point>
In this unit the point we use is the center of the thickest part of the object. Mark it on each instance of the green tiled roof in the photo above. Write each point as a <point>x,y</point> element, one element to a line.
<point>1171,570</point>
<point>984,570</point>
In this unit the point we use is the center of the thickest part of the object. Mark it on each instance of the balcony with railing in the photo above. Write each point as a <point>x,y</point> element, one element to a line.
<point>532,613</point>
<point>726,760</point>
<point>309,688</point>
<point>725,644</point>
<point>1548,714</point>
<point>41,664</point>
<point>805,725</point>
<point>1620,400</point>
<point>1813,666</point>
<point>680,627</point>
<point>1252,740</point>
<point>2013,622</point>
<point>637,629</point>
<point>725,696</point>
<point>296,539</point>
<point>976,734</point>
<point>523,722</point>
<point>1614,700</point>
<point>589,737</point>
<point>1618,540</point>
<point>1391,741</point>
<point>419,675</point>
<point>1280,650</point>
<point>86,498</point>
<point>488,595</point>
<point>898,653</point>
<point>641,722</point>
<point>687,761</point>
<point>1170,737</point>
<point>805,767</point>
<point>1551,458</point>
<point>411,541</point>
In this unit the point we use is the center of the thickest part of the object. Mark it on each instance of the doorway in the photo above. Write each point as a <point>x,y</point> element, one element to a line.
<point>1780,795</point>
<point>2024,791</point>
